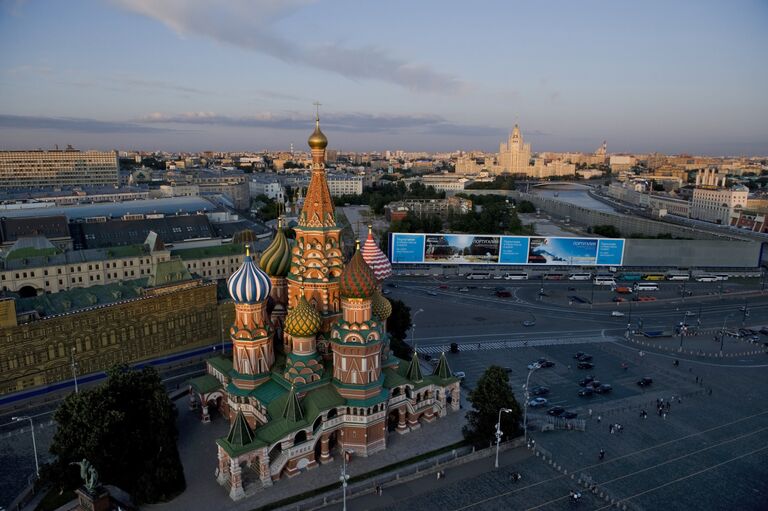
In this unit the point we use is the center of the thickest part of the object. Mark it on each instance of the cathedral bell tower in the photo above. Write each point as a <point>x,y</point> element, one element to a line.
<point>252,334</point>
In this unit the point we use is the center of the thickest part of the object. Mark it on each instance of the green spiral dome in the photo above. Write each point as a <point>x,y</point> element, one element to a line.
<point>276,258</point>
<point>381,307</point>
<point>303,320</point>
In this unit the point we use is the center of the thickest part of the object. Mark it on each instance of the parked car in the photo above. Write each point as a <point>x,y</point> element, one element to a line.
<point>644,382</point>
<point>391,284</point>
<point>529,322</point>
<point>454,347</point>
<point>503,294</point>
<point>618,299</point>
<point>764,330</point>
<point>542,362</point>
<point>508,370</point>
<point>578,354</point>
<point>586,392</point>
<point>585,365</point>
<point>556,411</point>
<point>464,289</point>
<point>537,402</point>
<point>540,391</point>
<point>569,415</point>
<point>443,286</point>
<point>432,293</point>
<point>604,388</point>
<point>585,357</point>
<point>460,375</point>
<point>617,314</point>
<point>587,380</point>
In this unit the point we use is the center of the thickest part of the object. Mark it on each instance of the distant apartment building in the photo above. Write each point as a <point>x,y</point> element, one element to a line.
<point>514,154</point>
<point>268,185</point>
<point>621,163</point>
<point>37,169</point>
<point>231,184</point>
<point>427,207</point>
<point>713,204</point>
<point>542,169</point>
<point>345,184</point>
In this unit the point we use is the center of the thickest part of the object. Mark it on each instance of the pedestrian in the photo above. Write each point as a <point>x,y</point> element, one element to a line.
<point>599,419</point>
<point>438,475</point>
<point>610,428</point>
<point>664,415</point>
<point>697,379</point>
<point>710,391</point>
<point>679,400</point>
<point>590,413</point>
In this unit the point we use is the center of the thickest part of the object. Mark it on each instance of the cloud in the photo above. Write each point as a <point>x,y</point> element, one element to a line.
<point>75,124</point>
<point>248,24</point>
<point>343,122</point>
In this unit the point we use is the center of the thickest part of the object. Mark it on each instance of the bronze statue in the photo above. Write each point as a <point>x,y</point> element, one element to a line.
<point>89,474</point>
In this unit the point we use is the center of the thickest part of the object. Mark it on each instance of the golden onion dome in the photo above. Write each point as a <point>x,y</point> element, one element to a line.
<point>317,140</point>
<point>276,258</point>
<point>303,320</point>
<point>381,307</point>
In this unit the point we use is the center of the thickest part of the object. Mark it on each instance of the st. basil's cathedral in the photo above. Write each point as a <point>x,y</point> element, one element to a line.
<point>311,373</point>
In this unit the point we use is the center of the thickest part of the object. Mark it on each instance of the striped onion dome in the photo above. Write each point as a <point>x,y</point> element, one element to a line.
<point>249,284</point>
<point>276,258</point>
<point>357,280</point>
<point>303,320</point>
<point>375,258</point>
<point>380,306</point>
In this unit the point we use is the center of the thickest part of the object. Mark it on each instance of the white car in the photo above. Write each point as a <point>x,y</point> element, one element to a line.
<point>460,375</point>
<point>617,314</point>
<point>537,402</point>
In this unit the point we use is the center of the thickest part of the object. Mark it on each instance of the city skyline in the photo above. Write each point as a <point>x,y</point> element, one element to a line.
<point>188,75</point>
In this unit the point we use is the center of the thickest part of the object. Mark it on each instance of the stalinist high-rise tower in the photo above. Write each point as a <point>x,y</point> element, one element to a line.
<point>515,155</point>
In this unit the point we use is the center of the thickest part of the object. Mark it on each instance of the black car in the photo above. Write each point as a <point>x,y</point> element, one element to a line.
<point>605,388</point>
<point>585,365</point>
<point>586,392</point>
<point>569,415</point>
<point>556,411</point>
<point>586,381</point>
<point>644,382</point>
<point>578,354</point>
<point>391,284</point>
<point>543,362</point>
<point>585,357</point>
<point>764,330</point>
<point>454,347</point>
<point>540,391</point>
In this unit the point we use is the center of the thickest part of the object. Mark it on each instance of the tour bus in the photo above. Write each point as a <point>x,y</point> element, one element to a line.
<point>478,276</point>
<point>678,276</point>
<point>654,276</point>
<point>605,280</point>
<point>643,286</point>
<point>554,276</point>
<point>631,276</point>
<point>579,276</point>
<point>516,276</point>
<point>707,278</point>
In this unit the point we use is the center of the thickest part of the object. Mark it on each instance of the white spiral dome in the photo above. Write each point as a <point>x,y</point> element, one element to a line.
<point>249,284</point>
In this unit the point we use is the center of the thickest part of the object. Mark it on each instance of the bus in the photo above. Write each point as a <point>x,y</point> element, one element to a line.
<point>554,276</point>
<point>642,286</point>
<point>478,276</point>
<point>678,276</point>
<point>654,276</point>
<point>605,280</point>
<point>516,276</point>
<point>579,276</point>
<point>707,278</point>
<point>631,276</point>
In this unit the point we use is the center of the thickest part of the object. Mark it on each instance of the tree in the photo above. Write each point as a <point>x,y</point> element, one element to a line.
<point>398,324</point>
<point>526,206</point>
<point>126,427</point>
<point>608,231</point>
<point>491,394</point>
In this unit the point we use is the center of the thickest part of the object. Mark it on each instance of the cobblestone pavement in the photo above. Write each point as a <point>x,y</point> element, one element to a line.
<point>707,453</point>
<point>17,457</point>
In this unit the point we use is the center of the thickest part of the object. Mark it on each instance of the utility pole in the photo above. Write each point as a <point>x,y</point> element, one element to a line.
<point>74,369</point>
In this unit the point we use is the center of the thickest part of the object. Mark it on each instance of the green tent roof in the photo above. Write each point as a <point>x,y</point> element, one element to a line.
<point>240,434</point>
<point>443,370</point>
<point>292,410</point>
<point>414,369</point>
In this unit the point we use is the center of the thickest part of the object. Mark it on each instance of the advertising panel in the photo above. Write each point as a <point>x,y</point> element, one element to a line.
<point>489,249</point>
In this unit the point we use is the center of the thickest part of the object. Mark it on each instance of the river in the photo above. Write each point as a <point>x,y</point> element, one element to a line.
<point>573,195</point>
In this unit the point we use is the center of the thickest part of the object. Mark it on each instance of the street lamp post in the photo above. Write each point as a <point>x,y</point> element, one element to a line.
<point>722,333</point>
<point>34,443</point>
<point>74,369</point>
<point>499,434</point>
<point>344,477</point>
<point>527,397</point>
<point>683,329</point>
<point>744,314</point>
<point>413,327</point>
<point>629,321</point>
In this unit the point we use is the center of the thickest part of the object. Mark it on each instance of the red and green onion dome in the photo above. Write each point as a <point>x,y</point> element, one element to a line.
<point>303,320</point>
<point>276,258</point>
<point>357,280</point>
<point>375,258</point>
<point>381,307</point>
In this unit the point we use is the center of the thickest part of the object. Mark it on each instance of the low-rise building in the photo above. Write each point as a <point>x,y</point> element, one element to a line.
<point>427,207</point>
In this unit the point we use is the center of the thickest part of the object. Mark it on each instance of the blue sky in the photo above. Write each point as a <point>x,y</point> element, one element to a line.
<point>670,76</point>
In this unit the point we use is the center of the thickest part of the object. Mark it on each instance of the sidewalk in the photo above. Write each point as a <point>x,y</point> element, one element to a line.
<point>198,455</point>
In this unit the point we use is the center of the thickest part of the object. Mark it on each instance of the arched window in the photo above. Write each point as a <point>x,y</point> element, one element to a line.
<point>300,437</point>
<point>318,421</point>
<point>332,413</point>
<point>396,391</point>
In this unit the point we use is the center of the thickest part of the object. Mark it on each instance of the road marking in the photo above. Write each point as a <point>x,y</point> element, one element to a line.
<point>511,343</point>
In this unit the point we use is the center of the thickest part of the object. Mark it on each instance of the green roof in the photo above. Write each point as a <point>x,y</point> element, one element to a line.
<point>292,410</point>
<point>268,391</point>
<point>205,384</point>
<point>240,434</point>
<point>228,249</point>
<point>126,251</point>
<point>221,364</point>
<point>169,272</point>
<point>414,369</point>
<point>392,378</point>
<point>443,370</point>
<point>81,297</point>
<point>27,252</point>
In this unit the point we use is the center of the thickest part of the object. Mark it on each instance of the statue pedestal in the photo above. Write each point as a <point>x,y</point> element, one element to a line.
<point>97,500</point>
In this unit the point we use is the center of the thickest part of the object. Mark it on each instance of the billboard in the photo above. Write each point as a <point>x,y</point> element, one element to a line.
<point>518,250</point>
